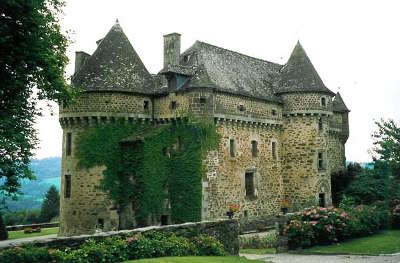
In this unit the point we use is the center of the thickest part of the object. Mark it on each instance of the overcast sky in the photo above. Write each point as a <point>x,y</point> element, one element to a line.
<point>354,45</point>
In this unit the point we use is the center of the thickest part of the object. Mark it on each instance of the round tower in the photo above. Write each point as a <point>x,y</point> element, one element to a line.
<point>307,109</point>
<point>110,90</point>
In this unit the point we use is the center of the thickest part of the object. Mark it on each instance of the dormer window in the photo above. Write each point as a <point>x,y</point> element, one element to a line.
<point>323,102</point>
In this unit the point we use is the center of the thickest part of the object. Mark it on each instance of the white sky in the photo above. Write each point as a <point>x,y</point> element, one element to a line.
<point>354,45</point>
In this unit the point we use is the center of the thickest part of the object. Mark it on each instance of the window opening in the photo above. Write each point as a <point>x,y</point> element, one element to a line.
<point>254,148</point>
<point>249,184</point>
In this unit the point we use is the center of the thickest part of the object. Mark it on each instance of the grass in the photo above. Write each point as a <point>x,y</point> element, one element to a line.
<point>230,259</point>
<point>385,242</point>
<point>258,251</point>
<point>21,234</point>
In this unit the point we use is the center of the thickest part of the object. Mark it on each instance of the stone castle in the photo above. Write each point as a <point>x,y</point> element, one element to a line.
<point>283,132</point>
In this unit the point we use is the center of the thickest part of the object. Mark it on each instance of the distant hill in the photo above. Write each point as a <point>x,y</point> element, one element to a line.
<point>47,172</point>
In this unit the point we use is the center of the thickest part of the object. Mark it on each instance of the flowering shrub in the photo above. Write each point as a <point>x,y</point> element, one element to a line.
<point>119,249</point>
<point>319,225</point>
<point>233,208</point>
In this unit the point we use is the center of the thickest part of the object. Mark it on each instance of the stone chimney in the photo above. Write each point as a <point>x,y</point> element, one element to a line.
<point>80,59</point>
<point>172,49</point>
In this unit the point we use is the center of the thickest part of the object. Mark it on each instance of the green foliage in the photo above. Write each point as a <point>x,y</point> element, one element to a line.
<point>23,217</point>
<point>146,164</point>
<point>32,66</point>
<point>51,205</point>
<point>3,229</point>
<point>119,249</point>
<point>341,179</point>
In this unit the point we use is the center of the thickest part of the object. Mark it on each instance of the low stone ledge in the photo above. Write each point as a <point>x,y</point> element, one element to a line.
<point>226,231</point>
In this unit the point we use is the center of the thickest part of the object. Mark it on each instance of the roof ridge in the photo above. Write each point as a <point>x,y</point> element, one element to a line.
<point>241,54</point>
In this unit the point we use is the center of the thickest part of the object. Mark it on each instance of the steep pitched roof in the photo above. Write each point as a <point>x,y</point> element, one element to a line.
<point>338,104</point>
<point>114,66</point>
<point>299,74</point>
<point>232,72</point>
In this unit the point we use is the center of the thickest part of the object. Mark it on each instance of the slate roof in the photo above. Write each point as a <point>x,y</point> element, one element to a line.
<point>232,72</point>
<point>338,104</point>
<point>114,66</point>
<point>299,75</point>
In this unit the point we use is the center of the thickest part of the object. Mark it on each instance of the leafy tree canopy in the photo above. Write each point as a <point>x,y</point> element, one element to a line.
<point>32,68</point>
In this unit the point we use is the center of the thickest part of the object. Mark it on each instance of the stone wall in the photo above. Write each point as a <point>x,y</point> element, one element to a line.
<point>302,141</point>
<point>107,104</point>
<point>224,182</point>
<point>298,102</point>
<point>226,231</point>
<point>87,204</point>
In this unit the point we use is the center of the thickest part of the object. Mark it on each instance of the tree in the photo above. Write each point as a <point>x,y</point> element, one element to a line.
<point>51,205</point>
<point>387,145</point>
<point>32,68</point>
<point>3,229</point>
<point>342,179</point>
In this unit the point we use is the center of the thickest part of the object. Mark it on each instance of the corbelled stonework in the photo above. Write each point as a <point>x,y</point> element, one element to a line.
<point>283,132</point>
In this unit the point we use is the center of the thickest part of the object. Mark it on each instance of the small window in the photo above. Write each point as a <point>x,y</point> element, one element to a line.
<point>273,112</point>
<point>322,200</point>
<point>273,150</point>
<point>232,147</point>
<point>323,102</point>
<point>321,161</point>
<point>241,108</point>
<point>100,223</point>
<point>68,146</point>
<point>146,105</point>
<point>173,105</point>
<point>249,184</point>
<point>67,188</point>
<point>320,124</point>
<point>254,148</point>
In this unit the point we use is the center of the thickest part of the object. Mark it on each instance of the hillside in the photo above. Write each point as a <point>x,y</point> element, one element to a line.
<point>47,172</point>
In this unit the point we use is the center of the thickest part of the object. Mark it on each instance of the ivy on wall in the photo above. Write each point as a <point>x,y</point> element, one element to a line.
<point>146,164</point>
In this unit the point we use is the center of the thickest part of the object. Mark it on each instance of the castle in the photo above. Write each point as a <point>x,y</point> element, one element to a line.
<point>283,132</point>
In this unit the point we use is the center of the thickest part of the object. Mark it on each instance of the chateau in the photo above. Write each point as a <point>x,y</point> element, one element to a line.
<point>283,132</point>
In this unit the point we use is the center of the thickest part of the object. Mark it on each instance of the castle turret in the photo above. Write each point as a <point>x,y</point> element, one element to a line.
<point>115,85</point>
<point>307,107</point>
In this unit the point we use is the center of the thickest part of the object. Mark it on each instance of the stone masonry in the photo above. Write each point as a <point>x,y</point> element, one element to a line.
<point>283,132</point>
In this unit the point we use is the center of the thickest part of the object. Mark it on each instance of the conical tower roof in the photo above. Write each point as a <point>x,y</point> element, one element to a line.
<point>114,66</point>
<point>338,104</point>
<point>299,74</point>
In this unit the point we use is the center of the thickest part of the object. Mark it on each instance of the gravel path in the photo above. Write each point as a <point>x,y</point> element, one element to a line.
<point>291,258</point>
<point>19,241</point>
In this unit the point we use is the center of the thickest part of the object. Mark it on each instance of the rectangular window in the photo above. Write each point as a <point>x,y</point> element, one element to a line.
<point>232,147</point>
<point>321,164</point>
<point>249,184</point>
<point>322,200</point>
<point>173,105</point>
<point>146,105</point>
<point>67,189</point>
<point>68,144</point>
<point>254,148</point>
<point>273,150</point>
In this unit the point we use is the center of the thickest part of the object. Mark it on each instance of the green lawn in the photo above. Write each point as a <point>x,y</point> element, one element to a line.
<point>258,251</point>
<point>21,234</point>
<point>385,242</point>
<point>196,260</point>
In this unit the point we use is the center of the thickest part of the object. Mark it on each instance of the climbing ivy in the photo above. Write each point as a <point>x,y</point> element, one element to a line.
<point>145,164</point>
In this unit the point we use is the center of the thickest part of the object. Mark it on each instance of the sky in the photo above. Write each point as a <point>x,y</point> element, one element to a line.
<point>354,46</point>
